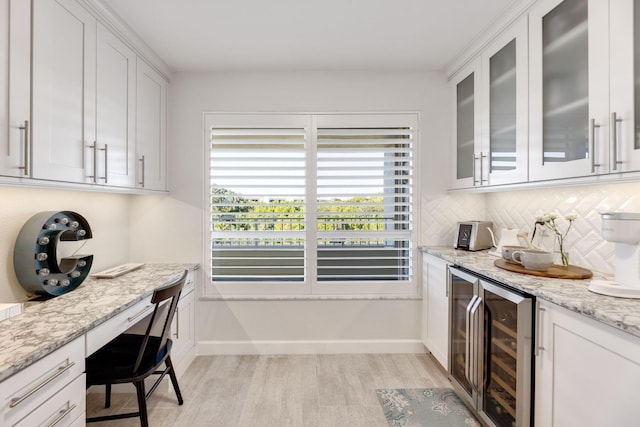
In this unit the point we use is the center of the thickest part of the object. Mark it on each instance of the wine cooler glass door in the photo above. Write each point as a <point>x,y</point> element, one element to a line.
<point>506,384</point>
<point>461,355</point>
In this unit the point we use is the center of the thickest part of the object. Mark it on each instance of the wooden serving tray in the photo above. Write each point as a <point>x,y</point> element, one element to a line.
<point>555,271</point>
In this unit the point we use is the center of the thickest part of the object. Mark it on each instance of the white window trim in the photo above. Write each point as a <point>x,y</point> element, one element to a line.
<point>310,288</point>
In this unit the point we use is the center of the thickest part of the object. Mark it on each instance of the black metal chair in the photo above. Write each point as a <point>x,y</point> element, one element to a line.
<point>131,358</point>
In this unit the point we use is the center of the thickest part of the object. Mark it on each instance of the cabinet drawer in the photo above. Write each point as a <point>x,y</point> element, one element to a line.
<point>102,334</point>
<point>27,390</point>
<point>61,410</point>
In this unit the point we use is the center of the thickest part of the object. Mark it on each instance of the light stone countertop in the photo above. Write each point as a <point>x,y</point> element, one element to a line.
<point>43,327</point>
<point>621,313</point>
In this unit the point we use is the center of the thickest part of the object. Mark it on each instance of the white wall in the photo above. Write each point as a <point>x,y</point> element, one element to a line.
<point>107,214</point>
<point>175,222</point>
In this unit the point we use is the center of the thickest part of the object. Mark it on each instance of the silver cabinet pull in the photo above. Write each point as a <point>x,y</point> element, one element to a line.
<point>482,156</point>
<point>25,128</point>
<point>94,147</point>
<point>62,413</point>
<point>614,141</point>
<point>140,313</point>
<point>592,144</point>
<point>177,334</point>
<point>448,282</point>
<point>538,344</point>
<point>58,371</point>
<point>106,163</point>
<point>473,174</point>
<point>141,160</point>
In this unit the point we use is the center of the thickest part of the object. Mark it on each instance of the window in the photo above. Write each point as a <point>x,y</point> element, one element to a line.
<point>311,204</point>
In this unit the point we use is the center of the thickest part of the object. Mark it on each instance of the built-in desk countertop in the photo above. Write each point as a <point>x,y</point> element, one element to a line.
<point>43,327</point>
<point>621,313</point>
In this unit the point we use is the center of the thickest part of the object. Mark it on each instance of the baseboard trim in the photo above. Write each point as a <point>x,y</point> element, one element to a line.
<point>209,348</point>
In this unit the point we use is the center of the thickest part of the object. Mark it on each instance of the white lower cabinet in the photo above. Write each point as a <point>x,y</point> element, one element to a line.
<point>183,333</point>
<point>51,389</point>
<point>587,373</point>
<point>435,307</point>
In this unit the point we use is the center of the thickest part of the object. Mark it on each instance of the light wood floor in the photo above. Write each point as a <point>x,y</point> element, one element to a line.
<point>295,390</point>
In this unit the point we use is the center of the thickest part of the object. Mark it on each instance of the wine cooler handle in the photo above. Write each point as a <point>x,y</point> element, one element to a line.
<point>468,338</point>
<point>538,345</point>
<point>474,343</point>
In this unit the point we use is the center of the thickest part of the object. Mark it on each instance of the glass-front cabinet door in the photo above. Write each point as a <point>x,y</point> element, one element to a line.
<point>625,85</point>
<point>505,106</point>
<point>569,93</point>
<point>466,127</point>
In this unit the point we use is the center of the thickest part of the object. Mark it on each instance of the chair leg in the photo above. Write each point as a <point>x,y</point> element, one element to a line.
<point>107,396</point>
<point>142,404</point>
<point>174,380</point>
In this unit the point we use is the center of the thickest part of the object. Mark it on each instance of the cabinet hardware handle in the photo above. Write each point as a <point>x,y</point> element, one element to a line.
<point>177,334</point>
<point>473,173</point>
<point>482,156</point>
<point>592,145</point>
<point>614,141</point>
<point>448,282</point>
<point>106,164</point>
<point>140,313</point>
<point>59,371</point>
<point>142,170</point>
<point>25,128</point>
<point>63,413</point>
<point>94,147</point>
<point>538,345</point>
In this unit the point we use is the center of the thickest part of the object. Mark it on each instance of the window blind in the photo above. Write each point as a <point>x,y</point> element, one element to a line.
<point>258,201</point>
<point>364,203</point>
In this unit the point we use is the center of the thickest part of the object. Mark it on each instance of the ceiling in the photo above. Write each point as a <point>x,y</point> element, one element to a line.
<point>221,35</point>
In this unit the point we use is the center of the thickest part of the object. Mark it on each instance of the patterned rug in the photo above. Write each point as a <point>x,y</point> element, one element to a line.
<point>425,407</point>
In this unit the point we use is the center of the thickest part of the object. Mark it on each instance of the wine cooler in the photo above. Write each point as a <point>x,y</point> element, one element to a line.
<point>490,350</point>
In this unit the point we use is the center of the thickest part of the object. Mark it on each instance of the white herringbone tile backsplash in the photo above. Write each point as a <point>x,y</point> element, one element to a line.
<point>519,209</point>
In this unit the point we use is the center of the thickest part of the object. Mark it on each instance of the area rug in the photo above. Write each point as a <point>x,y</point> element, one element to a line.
<point>425,407</point>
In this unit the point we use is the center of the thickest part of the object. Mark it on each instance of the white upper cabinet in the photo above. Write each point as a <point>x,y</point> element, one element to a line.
<point>63,108</point>
<point>624,119</point>
<point>15,45</point>
<point>115,112</point>
<point>569,89</point>
<point>490,101</point>
<point>505,107</point>
<point>467,153</point>
<point>151,128</point>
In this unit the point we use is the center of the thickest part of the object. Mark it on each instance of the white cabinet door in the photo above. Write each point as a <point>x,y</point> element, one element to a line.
<point>468,160</point>
<point>625,85</point>
<point>182,329</point>
<point>15,62</point>
<point>63,108</point>
<point>587,373</point>
<point>569,89</point>
<point>435,307</point>
<point>505,107</point>
<point>115,111</point>
<point>151,128</point>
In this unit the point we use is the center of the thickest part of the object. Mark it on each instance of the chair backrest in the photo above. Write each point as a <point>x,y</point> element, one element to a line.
<point>159,316</point>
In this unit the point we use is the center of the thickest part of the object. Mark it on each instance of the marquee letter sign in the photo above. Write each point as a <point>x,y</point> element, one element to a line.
<point>35,256</point>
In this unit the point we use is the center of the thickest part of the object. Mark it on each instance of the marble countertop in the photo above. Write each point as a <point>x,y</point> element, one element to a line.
<point>621,313</point>
<point>43,327</point>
